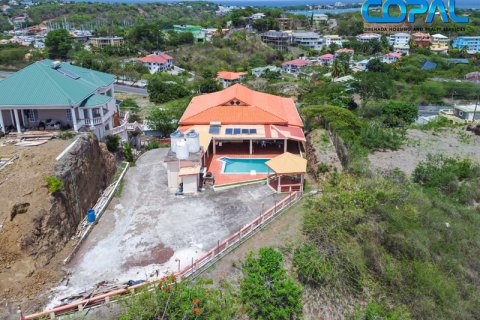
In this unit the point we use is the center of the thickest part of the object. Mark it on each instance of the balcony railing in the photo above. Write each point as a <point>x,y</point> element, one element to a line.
<point>94,121</point>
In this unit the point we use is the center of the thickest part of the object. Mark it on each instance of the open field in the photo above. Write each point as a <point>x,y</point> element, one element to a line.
<point>450,142</point>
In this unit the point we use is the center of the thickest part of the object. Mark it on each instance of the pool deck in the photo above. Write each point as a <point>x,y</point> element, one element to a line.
<point>221,178</point>
<point>215,165</point>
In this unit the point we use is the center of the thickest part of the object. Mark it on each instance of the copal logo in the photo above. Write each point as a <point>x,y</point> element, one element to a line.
<point>418,7</point>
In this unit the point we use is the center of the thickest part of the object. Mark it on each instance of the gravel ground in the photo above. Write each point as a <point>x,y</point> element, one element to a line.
<point>142,234</point>
<point>450,142</point>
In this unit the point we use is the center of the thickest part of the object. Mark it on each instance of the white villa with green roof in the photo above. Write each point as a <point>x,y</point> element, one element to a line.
<point>50,91</point>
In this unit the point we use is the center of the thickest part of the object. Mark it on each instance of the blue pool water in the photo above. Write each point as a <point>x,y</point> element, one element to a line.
<point>243,165</point>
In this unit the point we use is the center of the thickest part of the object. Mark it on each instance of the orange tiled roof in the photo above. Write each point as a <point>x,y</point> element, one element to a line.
<point>230,75</point>
<point>156,58</point>
<point>255,108</point>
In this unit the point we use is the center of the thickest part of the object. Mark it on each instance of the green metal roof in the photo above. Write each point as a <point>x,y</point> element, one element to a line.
<point>40,84</point>
<point>95,100</point>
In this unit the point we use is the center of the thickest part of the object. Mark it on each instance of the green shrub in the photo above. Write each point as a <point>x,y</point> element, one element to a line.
<point>53,183</point>
<point>266,290</point>
<point>440,172</point>
<point>323,168</point>
<point>310,267</point>
<point>397,239</point>
<point>113,143</point>
<point>170,299</point>
<point>437,124</point>
<point>66,135</point>
<point>153,144</point>
<point>375,136</point>
<point>128,154</point>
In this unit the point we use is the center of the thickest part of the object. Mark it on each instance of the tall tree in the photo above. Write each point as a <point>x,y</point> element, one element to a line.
<point>58,43</point>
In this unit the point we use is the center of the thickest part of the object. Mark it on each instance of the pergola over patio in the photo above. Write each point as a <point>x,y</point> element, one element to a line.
<point>288,173</point>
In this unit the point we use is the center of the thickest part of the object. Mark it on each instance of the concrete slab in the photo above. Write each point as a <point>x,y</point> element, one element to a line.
<point>148,229</point>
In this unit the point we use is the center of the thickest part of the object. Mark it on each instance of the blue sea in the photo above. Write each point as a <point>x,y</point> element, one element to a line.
<point>474,4</point>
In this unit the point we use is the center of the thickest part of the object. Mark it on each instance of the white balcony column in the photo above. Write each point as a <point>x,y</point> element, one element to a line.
<point>2,124</point>
<point>17,121</point>
<point>214,146</point>
<point>23,118</point>
<point>74,119</point>
<point>285,144</point>
<point>251,146</point>
<point>90,116</point>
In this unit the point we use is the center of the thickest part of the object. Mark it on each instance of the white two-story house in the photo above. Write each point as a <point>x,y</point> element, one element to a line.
<point>158,62</point>
<point>55,95</point>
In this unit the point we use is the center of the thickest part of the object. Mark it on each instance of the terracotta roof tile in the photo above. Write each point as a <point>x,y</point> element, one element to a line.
<point>156,58</point>
<point>256,108</point>
<point>230,75</point>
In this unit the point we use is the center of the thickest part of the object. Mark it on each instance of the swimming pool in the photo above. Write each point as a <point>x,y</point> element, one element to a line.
<point>244,165</point>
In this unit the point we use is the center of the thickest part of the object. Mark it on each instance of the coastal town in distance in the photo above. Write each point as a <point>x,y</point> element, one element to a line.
<point>239,159</point>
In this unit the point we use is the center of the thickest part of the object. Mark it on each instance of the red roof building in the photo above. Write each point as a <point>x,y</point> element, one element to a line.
<point>228,78</point>
<point>238,123</point>
<point>295,66</point>
<point>157,62</point>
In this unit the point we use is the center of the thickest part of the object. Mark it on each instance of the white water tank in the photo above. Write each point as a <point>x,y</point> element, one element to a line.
<point>182,150</point>
<point>193,141</point>
<point>174,138</point>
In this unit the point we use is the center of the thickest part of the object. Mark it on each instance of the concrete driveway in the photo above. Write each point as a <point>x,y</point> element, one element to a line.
<point>149,228</point>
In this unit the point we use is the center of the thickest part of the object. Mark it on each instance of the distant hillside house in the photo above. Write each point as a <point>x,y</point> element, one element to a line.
<point>329,39</point>
<point>101,42</point>
<point>319,19</point>
<point>278,40</point>
<point>471,44</point>
<point>258,72</point>
<point>462,114</point>
<point>227,78</point>
<point>199,36</point>
<point>422,39</point>
<point>58,95</point>
<point>440,43</point>
<point>349,52</point>
<point>366,37</point>
<point>157,62</point>
<point>295,66</point>
<point>391,57</point>
<point>326,59</point>
<point>399,39</point>
<point>308,40</point>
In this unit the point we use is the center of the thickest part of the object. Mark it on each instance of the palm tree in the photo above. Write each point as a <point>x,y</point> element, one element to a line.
<point>338,68</point>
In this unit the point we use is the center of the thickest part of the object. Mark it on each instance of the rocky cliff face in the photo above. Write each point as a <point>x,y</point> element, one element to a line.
<point>86,170</point>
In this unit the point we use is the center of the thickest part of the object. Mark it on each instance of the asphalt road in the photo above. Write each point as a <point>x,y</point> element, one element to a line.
<point>132,90</point>
<point>118,88</point>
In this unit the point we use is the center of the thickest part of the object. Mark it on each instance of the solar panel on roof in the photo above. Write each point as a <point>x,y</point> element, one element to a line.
<point>68,73</point>
<point>229,131</point>
<point>245,131</point>
<point>236,131</point>
<point>214,130</point>
<point>253,131</point>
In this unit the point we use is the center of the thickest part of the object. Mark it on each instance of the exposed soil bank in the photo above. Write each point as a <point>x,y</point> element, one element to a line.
<point>37,225</point>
